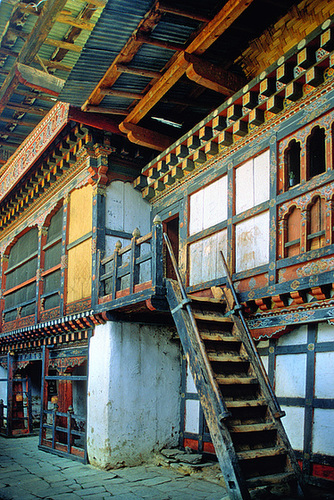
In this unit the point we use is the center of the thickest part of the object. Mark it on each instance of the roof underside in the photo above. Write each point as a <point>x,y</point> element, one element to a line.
<point>123,60</point>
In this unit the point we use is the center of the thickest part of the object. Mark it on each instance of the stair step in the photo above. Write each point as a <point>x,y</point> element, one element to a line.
<point>210,300</point>
<point>268,426</point>
<point>236,380</point>
<point>213,318</point>
<point>227,358</point>
<point>246,403</point>
<point>280,478</point>
<point>219,337</point>
<point>261,453</point>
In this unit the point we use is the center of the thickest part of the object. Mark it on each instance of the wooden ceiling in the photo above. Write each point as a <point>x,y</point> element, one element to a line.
<point>190,68</point>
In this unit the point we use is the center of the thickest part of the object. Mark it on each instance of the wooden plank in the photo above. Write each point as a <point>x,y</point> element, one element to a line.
<point>190,14</point>
<point>60,44</point>
<point>76,22</point>
<point>258,453</point>
<point>124,68</point>
<point>251,403</point>
<point>213,318</point>
<point>36,79</point>
<point>227,358</point>
<point>268,426</point>
<point>236,380</point>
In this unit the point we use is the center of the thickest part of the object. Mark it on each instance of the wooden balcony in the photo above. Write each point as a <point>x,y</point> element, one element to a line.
<point>132,278</point>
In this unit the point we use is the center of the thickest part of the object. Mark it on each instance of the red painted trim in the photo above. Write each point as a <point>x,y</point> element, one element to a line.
<point>190,443</point>
<point>209,448</point>
<point>51,270</point>
<point>21,285</point>
<point>323,471</point>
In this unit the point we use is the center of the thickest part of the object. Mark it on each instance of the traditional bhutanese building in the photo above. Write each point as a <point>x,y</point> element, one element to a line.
<point>122,331</point>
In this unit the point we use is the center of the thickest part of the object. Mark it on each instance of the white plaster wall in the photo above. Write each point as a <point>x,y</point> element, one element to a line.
<point>3,385</point>
<point>133,393</point>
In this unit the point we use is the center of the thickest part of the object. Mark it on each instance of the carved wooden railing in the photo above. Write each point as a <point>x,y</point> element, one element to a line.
<point>135,267</point>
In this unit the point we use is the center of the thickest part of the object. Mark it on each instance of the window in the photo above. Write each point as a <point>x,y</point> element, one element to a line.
<point>208,206</point>
<point>292,164</point>
<point>292,240</point>
<point>252,242</point>
<point>316,152</point>
<point>20,291</point>
<point>252,183</point>
<point>316,224</point>
<point>52,256</point>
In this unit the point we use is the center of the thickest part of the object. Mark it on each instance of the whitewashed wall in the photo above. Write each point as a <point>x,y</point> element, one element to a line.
<point>133,393</point>
<point>125,210</point>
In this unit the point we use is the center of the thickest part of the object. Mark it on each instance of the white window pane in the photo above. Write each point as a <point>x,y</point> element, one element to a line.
<point>252,242</point>
<point>196,212</point>
<point>323,431</point>
<point>290,375</point>
<point>215,202</point>
<point>209,269</point>
<point>244,187</point>
<point>192,416</point>
<point>325,332</point>
<point>190,384</point>
<point>195,262</point>
<point>296,337</point>
<point>221,246</point>
<point>261,178</point>
<point>294,426</point>
<point>324,374</point>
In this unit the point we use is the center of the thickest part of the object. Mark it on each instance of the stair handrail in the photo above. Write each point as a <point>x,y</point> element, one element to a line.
<point>238,310</point>
<point>224,413</point>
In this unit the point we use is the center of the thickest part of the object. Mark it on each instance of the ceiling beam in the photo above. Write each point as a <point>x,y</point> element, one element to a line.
<point>213,77</point>
<point>123,68</point>
<point>144,38</point>
<point>172,9</point>
<point>122,93</point>
<point>147,138</point>
<point>74,21</point>
<point>125,56</point>
<point>36,79</point>
<point>31,46</point>
<point>25,108</point>
<point>205,38</point>
<point>17,122</point>
<point>107,111</point>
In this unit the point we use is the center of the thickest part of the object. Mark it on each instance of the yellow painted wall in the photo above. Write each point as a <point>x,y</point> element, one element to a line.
<point>80,214</point>
<point>79,273</point>
<point>79,277</point>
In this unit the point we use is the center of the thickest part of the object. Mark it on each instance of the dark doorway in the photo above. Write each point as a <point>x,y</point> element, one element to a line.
<point>171,228</point>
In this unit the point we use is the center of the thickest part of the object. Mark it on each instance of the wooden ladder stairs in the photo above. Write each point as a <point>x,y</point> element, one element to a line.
<point>239,405</point>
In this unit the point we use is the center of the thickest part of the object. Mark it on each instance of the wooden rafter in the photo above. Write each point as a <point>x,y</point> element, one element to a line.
<point>124,57</point>
<point>206,37</point>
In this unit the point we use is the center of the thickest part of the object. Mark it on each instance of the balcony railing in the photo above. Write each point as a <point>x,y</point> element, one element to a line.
<point>135,272</point>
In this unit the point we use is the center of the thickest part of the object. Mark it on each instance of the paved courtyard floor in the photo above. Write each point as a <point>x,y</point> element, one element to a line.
<point>27,473</point>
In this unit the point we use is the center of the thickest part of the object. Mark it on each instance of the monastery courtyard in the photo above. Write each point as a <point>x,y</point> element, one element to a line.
<point>27,473</point>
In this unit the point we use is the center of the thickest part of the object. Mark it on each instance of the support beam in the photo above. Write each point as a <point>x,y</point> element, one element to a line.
<point>107,111</point>
<point>123,68</point>
<point>172,9</point>
<point>143,38</point>
<point>206,37</point>
<point>124,57</point>
<point>93,120</point>
<point>145,137</point>
<point>213,77</point>
<point>76,22</point>
<point>31,46</point>
<point>39,80</point>
<point>121,93</point>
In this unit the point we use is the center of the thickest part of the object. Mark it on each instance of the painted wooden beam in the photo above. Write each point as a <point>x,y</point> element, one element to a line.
<point>145,137</point>
<point>39,80</point>
<point>124,68</point>
<point>213,77</point>
<point>94,120</point>
<point>74,21</point>
<point>107,111</point>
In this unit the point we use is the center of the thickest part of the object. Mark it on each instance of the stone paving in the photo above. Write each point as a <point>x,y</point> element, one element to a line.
<point>27,473</point>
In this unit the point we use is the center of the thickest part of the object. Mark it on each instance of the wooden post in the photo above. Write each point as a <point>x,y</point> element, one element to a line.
<point>44,391</point>
<point>117,262</point>
<point>157,256</point>
<point>135,253</point>
<point>10,393</point>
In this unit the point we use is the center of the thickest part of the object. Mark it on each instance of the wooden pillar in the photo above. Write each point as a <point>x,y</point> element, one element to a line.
<point>98,239</point>
<point>10,366</point>
<point>42,236</point>
<point>4,266</point>
<point>63,275</point>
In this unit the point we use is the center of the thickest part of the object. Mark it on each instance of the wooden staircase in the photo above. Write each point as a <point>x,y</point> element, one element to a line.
<point>239,405</point>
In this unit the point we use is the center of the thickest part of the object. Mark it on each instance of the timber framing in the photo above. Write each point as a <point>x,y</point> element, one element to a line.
<point>181,63</point>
